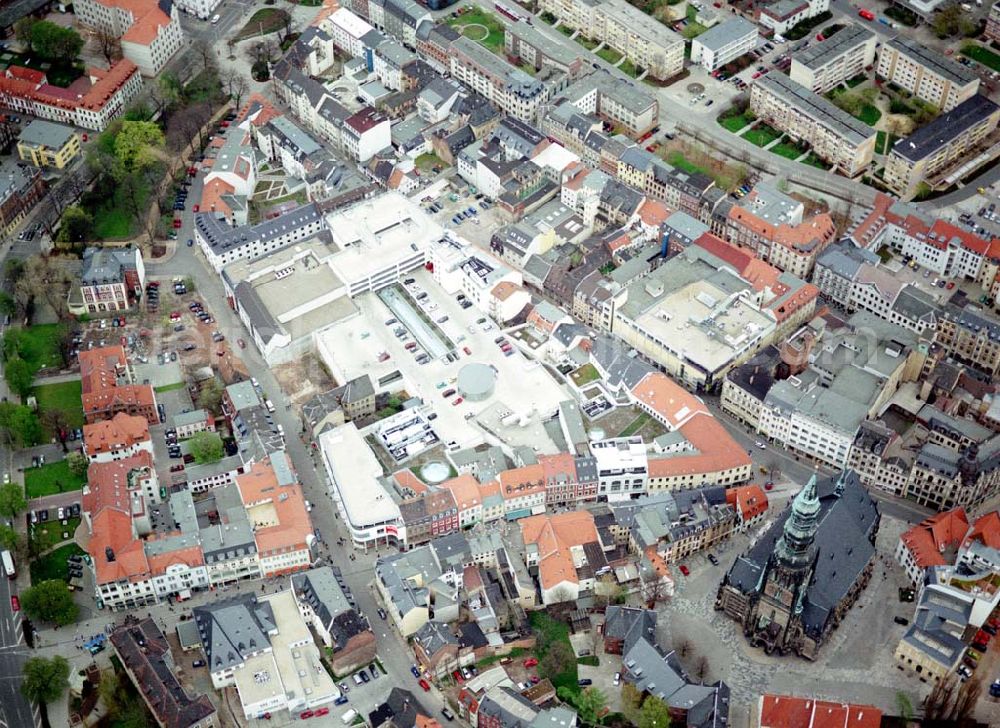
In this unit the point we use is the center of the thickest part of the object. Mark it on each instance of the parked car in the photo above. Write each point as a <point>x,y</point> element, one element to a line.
<point>424,684</point>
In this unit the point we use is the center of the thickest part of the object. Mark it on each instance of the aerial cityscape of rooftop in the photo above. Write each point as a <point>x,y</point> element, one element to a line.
<point>543,364</point>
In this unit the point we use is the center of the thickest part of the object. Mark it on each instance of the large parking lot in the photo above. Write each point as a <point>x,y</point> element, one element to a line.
<point>357,345</point>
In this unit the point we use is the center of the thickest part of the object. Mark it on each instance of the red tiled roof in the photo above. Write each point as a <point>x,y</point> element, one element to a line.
<point>928,539</point>
<point>120,432</point>
<point>785,711</point>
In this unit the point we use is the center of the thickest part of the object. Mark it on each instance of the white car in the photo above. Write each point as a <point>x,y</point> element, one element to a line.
<point>216,19</point>
<point>761,445</point>
<point>618,679</point>
<point>60,513</point>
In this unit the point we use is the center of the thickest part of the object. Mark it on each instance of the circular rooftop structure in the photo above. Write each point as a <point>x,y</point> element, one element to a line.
<point>476,382</point>
<point>434,472</point>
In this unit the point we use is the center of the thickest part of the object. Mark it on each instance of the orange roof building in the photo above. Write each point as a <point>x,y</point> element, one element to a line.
<point>149,31</point>
<point>750,502</point>
<point>555,544</point>
<point>92,101</point>
<point>944,539</point>
<point>121,436</point>
<point>785,711</point>
<point>109,387</point>
<point>276,507</point>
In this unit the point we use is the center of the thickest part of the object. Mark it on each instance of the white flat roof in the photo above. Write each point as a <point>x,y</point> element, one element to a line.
<point>351,23</point>
<point>355,471</point>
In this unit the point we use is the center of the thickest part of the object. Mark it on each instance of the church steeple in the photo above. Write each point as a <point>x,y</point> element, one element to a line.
<point>795,547</point>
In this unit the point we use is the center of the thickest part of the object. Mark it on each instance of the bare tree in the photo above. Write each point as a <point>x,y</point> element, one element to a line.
<point>683,646</point>
<point>46,280</point>
<point>109,45</point>
<point>239,88</point>
<point>701,668</point>
<point>203,49</point>
<point>654,591</point>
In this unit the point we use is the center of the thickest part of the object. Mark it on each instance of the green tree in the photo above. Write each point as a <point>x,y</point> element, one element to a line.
<point>631,702</point>
<point>12,502</point>
<point>136,144</point>
<point>23,30</point>
<point>50,601</point>
<point>206,447</point>
<point>558,659</point>
<point>77,225</point>
<point>210,397</point>
<point>9,538</point>
<point>19,375</point>
<point>654,713</point>
<point>45,679</point>
<point>8,306</point>
<point>20,424</point>
<point>591,705</point>
<point>54,42</point>
<point>77,463</point>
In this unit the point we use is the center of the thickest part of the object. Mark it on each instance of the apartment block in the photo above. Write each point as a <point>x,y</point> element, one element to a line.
<point>947,145</point>
<point>149,31</point>
<point>822,66</point>
<point>524,41</point>
<point>21,187</point>
<point>993,23</point>
<point>834,135</point>
<point>723,43</point>
<point>643,40</point>
<point>45,144</point>
<point>970,337</point>
<point>101,96</point>
<point>926,73</point>
<point>112,280</point>
<point>784,14</point>
<point>510,88</point>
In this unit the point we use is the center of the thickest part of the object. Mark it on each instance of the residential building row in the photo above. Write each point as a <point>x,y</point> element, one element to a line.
<point>149,31</point>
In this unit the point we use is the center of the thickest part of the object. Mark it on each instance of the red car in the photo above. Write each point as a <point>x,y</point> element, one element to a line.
<point>175,315</point>
<point>224,125</point>
<point>467,350</point>
<point>756,74</point>
<point>866,14</point>
<point>949,285</point>
<point>425,685</point>
<point>177,224</point>
<point>322,711</point>
<point>685,570</point>
<point>769,485</point>
<point>458,677</point>
<point>195,208</point>
<point>531,662</point>
<point>306,714</point>
<point>15,603</point>
<point>820,37</point>
<point>457,401</point>
<point>221,352</point>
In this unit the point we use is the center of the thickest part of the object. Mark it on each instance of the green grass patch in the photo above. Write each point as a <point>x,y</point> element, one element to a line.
<point>677,159</point>
<point>585,375</point>
<point>263,22</point>
<point>761,135</point>
<point>637,424</point>
<point>734,122</point>
<point>884,141</point>
<point>869,115</point>
<point>170,387</point>
<point>630,69</point>
<point>50,479</point>
<point>590,661</point>
<point>427,162</point>
<point>38,345</point>
<point>813,161</point>
<point>549,631</point>
<point>515,653</point>
<point>610,55</point>
<point>58,74</point>
<point>587,42</point>
<point>50,533</point>
<point>483,27</point>
<point>692,30</point>
<point>53,564</point>
<point>565,30</point>
<point>65,396</point>
<point>856,81</point>
<point>982,55</point>
<point>787,150</point>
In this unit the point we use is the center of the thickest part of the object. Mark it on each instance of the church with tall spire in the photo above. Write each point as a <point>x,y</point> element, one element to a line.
<point>795,585</point>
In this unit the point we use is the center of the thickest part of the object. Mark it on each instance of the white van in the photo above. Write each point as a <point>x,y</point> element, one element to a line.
<point>348,717</point>
<point>216,19</point>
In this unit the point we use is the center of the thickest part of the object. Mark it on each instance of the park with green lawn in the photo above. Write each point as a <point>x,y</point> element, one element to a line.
<point>481,26</point>
<point>51,479</point>
<point>982,55</point>
<point>53,564</point>
<point>761,135</point>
